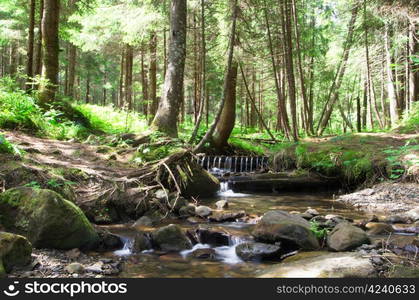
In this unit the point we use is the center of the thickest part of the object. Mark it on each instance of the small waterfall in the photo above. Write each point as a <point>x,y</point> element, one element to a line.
<point>126,249</point>
<point>220,165</point>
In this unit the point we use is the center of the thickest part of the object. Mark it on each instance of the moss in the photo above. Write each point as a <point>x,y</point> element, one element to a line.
<point>2,270</point>
<point>15,250</point>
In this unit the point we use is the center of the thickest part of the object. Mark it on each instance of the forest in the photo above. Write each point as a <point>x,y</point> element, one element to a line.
<point>296,119</point>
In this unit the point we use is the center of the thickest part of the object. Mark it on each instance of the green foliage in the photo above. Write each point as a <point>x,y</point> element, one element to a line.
<point>410,121</point>
<point>7,147</point>
<point>397,161</point>
<point>247,146</point>
<point>320,233</point>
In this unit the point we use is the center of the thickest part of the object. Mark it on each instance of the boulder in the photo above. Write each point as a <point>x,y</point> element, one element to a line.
<point>312,212</point>
<point>15,251</point>
<point>176,205</point>
<point>346,237</point>
<point>200,183</point>
<point>142,242</point>
<point>221,204</point>
<point>171,238</point>
<point>322,265</point>
<point>413,214</point>
<point>211,236</point>
<point>257,251</point>
<point>187,211</point>
<point>46,219</point>
<point>144,221</point>
<point>376,228</point>
<point>203,211</point>
<point>279,226</point>
<point>108,241</point>
<point>224,216</point>
<point>203,253</point>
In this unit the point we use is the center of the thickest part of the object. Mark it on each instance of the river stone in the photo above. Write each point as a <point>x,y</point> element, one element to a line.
<point>46,219</point>
<point>2,270</point>
<point>378,228</point>
<point>187,211</point>
<point>346,237</point>
<point>108,241</point>
<point>141,242</point>
<point>200,183</point>
<point>171,238</point>
<point>413,214</point>
<point>221,204</point>
<point>312,212</point>
<point>74,268</point>
<point>203,211</point>
<point>161,194</point>
<point>204,253</point>
<point>212,236</point>
<point>280,226</point>
<point>224,216</point>
<point>144,221</point>
<point>176,205</point>
<point>257,251</point>
<point>15,250</point>
<point>322,265</point>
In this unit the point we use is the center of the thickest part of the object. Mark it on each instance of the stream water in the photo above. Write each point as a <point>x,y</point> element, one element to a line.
<point>227,263</point>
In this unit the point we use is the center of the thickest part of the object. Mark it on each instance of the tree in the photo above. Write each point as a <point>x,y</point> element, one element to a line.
<point>50,49</point>
<point>165,119</point>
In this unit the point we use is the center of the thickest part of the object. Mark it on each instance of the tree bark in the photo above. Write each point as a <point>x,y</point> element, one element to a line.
<point>31,38</point>
<point>50,48</point>
<point>72,55</point>
<point>144,84</point>
<point>37,70</point>
<point>413,68</point>
<point>394,114</point>
<point>153,74</point>
<point>165,119</point>
<point>129,56</point>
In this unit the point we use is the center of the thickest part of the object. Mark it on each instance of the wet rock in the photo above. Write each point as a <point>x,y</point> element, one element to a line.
<point>221,216</point>
<point>161,194</point>
<point>2,270</point>
<point>203,211</point>
<point>142,242</point>
<point>322,265</point>
<point>144,221</point>
<point>108,241</point>
<point>402,219</point>
<point>257,251</point>
<point>378,228</point>
<point>46,219</point>
<point>204,253</point>
<point>95,268</point>
<point>171,238</point>
<point>293,231</point>
<point>200,183</point>
<point>312,212</point>
<point>15,251</point>
<point>305,216</point>
<point>75,268</point>
<point>176,205</point>
<point>221,204</point>
<point>413,214</point>
<point>187,211</point>
<point>346,237</point>
<point>212,237</point>
<point>193,220</point>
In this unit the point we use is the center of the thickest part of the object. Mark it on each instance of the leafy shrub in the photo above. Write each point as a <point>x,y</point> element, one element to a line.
<point>8,148</point>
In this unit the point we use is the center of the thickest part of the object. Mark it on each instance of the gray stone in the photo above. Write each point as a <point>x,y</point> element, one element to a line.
<point>413,214</point>
<point>171,238</point>
<point>203,211</point>
<point>221,204</point>
<point>346,237</point>
<point>75,268</point>
<point>257,251</point>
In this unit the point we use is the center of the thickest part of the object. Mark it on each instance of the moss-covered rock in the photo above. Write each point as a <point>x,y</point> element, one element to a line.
<point>46,219</point>
<point>171,238</point>
<point>15,251</point>
<point>2,270</point>
<point>200,183</point>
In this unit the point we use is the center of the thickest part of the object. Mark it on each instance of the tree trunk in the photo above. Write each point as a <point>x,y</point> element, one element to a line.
<point>165,119</point>
<point>128,76</point>
<point>153,75</point>
<point>228,116</point>
<point>121,93</point>
<point>394,114</point>
<point>144,84</point>
<point>207,137</point>
<point>37,70</point>
<point>413,68</point>
<point>72,55</point>
<point>50,48</point>
<point>29,62</point>
<point>334,91</point>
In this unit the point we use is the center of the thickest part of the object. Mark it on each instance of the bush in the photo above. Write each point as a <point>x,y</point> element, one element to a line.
<point>8,148</point>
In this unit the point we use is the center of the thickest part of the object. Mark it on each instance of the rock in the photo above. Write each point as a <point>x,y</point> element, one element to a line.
<point>280,226</point>
<point>144,221</point>
<point>171,238</point>
<point>187,211</point>
<point>221,204</point>
<point>305,216</point>
<point>203,211</point>
<point>199,183</point>
<point>322,265</point>
<point>95,268</point>
<point>257,251</point>
<point>378,228</point>
<point>346,237</point>
<point>2,270</point>
<point>180,202</point>
<point>402,219</point>
<point>141,242</point>
<point>413,214</point>
<point>161,194</point>
<point>46,219</point>
<point>75,268</point>
<point>212,237</point>
<point>193,220</point>
<point>312,212</point>
<point>222,216</point>
<point>203,253</point>
<point>73,253</point>
<point>15,251</point>
<point>108,241</point>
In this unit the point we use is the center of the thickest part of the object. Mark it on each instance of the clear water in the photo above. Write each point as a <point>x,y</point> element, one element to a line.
<point>227,263</point>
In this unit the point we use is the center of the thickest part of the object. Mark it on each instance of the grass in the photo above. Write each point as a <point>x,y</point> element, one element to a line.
<point>410,121</point>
